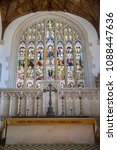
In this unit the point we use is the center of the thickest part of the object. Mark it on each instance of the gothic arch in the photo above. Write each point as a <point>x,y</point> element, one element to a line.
<point>59,16</point>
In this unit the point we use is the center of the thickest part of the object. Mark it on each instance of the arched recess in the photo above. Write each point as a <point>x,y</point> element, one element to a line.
<point>58,16</point>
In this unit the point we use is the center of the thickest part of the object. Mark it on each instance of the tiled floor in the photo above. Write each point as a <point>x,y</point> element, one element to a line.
<point>50,147</point>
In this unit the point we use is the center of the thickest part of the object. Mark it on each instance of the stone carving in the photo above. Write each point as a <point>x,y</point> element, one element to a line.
<point>67,101</point>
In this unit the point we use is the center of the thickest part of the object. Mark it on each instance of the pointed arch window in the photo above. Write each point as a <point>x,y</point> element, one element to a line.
<point>50,49</point>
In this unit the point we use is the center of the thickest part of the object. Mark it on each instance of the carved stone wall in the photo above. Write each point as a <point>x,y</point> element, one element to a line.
<point>66,102</point>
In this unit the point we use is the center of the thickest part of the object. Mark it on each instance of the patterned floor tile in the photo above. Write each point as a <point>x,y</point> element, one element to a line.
<point>50,147</point>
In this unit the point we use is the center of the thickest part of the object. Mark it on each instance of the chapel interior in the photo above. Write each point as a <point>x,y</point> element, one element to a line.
<point>50,71</point>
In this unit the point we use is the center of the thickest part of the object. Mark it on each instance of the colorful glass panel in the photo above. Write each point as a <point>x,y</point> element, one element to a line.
<point>30,65</point>
<point>70,65</point>
<point>50,60</point>
<point>40,63</point>
<point>60,64</point>
<point>21,65</point>
<point>79,64</point>
<point>43,55</point>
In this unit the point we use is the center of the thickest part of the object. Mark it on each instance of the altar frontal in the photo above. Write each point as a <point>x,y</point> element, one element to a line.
<point>50,130</point>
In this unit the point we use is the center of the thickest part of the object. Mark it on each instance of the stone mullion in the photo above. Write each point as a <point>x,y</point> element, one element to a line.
<point>78,39</point>
<point>43,41</point>
<point>35,54</point>
<point>55,55</point>
<point>64,48</point>
<point>83,62</point>
<point>17,60</point>
<point>45,51</point>
<point>73,105</point>
<point>25,70</point>
<point>33,40</point>
<point>75,68</point>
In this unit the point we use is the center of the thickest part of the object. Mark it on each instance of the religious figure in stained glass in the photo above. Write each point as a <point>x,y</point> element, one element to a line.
<point>79,64</point>
<point>50,50</point>
<point>60,64</point>
<point>70,65</point>
<point>50,60</point>
<point>40,63</point>
<point>21,65</point>
<point>30,65</point>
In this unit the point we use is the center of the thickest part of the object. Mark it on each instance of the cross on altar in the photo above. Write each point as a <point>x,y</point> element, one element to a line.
<point>50,112</point>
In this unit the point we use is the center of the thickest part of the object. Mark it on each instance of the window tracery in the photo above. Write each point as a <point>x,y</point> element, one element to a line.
<point>50,50</point>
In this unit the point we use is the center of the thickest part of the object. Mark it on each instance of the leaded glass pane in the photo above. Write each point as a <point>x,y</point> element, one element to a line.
<point>50,49</point>
<point>60,64</point>
<point>79,64</point>
<point>50,60</point>
<point>21,65</point>
<point>70,65</point>
<point>30,65</point>
<point>40,63</point>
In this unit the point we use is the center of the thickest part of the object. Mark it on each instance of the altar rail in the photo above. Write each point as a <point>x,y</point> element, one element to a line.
<point>29,102</point>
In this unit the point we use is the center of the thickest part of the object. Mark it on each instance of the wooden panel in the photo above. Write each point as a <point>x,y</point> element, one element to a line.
<point>88,9</point>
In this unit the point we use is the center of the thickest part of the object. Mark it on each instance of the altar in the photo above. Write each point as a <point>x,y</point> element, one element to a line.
<point>49,115</point>
<point>50,130</point>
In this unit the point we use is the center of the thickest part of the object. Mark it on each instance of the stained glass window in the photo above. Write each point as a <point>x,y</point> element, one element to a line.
<point>30,65</point>
<point>50,49</point>
<point>39,63</point>
<point>60,64</point>
<point>70,65</point>
<point>21,64</point>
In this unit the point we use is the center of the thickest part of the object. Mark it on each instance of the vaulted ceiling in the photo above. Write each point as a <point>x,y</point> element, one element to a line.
<point>12,9</point>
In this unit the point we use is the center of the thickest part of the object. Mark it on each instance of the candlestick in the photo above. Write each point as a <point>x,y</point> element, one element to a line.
<point>27,111</point>
<point>71,111</point>
<point>19,114</point>
<point>81,113</point>
<point>37,113</point>
<point>62,106</point>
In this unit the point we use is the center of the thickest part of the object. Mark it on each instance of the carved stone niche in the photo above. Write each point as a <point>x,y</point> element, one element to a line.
<point>97,80</point>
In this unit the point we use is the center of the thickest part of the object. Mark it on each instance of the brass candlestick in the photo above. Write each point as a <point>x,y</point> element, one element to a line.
<point>81,112</point>
<point>27,110</point>
<point>20,101</point>
<point>63,113</point>
<point>37,113</point>
<point>71,111</point>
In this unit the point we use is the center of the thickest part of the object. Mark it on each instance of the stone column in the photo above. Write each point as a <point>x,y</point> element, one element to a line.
<point>76,105</point>
<point>5,103</point>
<point>69,105</point>
<point>38,105</point>
<point>22,102</point>
<point>95,104</point>
<point>65,104</point>
<point>13,105</point>
<point>41,104</point>
<point>86,99</point>
<point>29,105</point>
<point>60,100</point>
